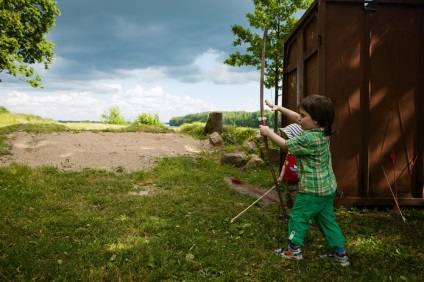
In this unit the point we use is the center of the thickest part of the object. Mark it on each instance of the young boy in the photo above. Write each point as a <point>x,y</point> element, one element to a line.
<point>289,178</point>
<point>289,175</point>
<point>317,183</point>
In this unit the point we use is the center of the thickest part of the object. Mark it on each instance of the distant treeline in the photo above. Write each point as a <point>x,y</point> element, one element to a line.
<point>241,118</point>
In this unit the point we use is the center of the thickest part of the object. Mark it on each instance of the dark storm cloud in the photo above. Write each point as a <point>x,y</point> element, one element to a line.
<point>95,36</point>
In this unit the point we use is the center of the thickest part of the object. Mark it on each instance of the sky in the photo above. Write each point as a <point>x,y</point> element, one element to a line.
<point>161,57</point>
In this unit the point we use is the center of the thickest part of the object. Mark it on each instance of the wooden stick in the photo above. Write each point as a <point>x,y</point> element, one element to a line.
<point>397,204</point>
<point>252,204</point>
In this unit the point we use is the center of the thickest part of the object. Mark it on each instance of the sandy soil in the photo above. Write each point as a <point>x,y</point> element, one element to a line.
<point>131,151</point>
<point>106,150</point>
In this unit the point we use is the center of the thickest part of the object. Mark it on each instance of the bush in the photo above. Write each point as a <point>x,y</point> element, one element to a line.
<point>194,129</point>
<point>148,119</point>
<point>113,116</point>
<point>3,110</point>
<point>240,134</point>
<point>233,134</point>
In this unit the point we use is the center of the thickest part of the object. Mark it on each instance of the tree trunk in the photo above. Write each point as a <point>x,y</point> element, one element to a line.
<point>214,123</point>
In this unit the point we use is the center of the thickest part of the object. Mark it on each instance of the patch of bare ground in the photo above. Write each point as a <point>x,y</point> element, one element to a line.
<point>130,151</point>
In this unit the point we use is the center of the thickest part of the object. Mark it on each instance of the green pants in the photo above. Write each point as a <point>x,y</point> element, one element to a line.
<point>321,210</point>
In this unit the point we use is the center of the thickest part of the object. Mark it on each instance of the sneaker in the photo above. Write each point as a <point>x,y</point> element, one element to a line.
<point>290,253</point>
<point>342,259</point>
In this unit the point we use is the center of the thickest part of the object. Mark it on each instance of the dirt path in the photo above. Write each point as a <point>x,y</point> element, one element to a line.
<point>131,151</point>
<point>69,151</point>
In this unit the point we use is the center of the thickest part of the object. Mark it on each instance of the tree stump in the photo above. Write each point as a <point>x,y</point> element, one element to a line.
<point>214,123</point>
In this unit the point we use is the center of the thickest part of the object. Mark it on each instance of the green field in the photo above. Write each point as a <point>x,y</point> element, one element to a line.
<point>173,224</point>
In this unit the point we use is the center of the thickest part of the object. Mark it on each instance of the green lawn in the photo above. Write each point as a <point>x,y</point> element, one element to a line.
<point>173,224</point>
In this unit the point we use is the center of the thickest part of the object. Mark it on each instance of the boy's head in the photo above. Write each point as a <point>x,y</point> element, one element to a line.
<point>321,110</point>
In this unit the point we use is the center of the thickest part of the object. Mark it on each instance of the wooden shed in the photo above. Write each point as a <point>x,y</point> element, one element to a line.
<point>368,57</point>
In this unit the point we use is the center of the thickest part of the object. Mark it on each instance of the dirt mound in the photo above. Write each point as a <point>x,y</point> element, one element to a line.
<point>70,151</point>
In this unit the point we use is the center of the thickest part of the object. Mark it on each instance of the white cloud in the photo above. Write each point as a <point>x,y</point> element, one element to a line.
<point>90,104</point>
<point>57,107</point>
<point>211,67</point>
<point>206,67</point>
<point>155,100</point>
<point>114,87</point>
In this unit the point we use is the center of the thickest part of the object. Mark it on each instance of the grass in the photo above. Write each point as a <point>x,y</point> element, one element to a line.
<point>7,119</point>
<point>173,224</point>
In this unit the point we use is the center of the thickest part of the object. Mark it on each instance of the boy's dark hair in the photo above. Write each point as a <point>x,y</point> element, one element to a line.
<point>320,109</point>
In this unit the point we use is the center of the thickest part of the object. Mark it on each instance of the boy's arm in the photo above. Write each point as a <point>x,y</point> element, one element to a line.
<point>291,115</point>
<point>277,139</point>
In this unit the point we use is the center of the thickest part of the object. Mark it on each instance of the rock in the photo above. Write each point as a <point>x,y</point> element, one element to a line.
<point>254,161</point>
<point>216,140</point>
<point>249,146</point>
<point>235,159</point>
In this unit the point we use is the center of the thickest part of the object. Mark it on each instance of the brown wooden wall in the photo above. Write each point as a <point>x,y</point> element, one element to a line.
<point>370,61</point>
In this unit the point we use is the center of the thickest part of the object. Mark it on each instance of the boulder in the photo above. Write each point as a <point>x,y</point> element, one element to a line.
<point>254,161</point>
<point>235,159</point>
<point>216,140</point>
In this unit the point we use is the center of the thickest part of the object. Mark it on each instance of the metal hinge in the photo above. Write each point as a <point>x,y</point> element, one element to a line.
<point>371,5</point>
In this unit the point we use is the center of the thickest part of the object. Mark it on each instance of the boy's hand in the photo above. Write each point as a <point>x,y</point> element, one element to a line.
<point>279,180</point>
<point>269,104</point>
<point>265,130</point>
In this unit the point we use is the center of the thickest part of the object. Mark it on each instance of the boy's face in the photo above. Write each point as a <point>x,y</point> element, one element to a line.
<point>305,120</point>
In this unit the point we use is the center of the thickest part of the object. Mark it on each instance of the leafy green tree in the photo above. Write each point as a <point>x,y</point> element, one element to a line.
<point>277,16</point>
<point>23,24</point>
<point>239,118</point>
<point>190,118</point>
<point>113,116</point>
<point>145,118</point>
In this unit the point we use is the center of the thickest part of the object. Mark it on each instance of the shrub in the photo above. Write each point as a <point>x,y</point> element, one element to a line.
<point>240,134</point>
<point>113,116</point>
<point>145,118</point>
<point>3,110</point>
<point>194,129</point>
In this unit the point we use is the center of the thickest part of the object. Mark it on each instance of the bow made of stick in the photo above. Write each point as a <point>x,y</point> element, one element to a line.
<point>263,118</point>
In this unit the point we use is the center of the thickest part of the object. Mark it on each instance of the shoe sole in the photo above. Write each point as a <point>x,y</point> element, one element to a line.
<point>345,264</point>
<point>292,258</point>
<point>335,260</point>
<point>280,252</point>
<point>288,257</point>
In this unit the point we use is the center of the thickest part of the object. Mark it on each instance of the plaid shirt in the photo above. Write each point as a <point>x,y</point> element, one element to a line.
<point>313,159</point>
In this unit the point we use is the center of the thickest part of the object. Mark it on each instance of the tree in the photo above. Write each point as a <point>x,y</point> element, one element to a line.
<point>277,17</point>
<point>23,25</point>
<point>4,110</point>
<point>146,118</point>
<point>113,116</point>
